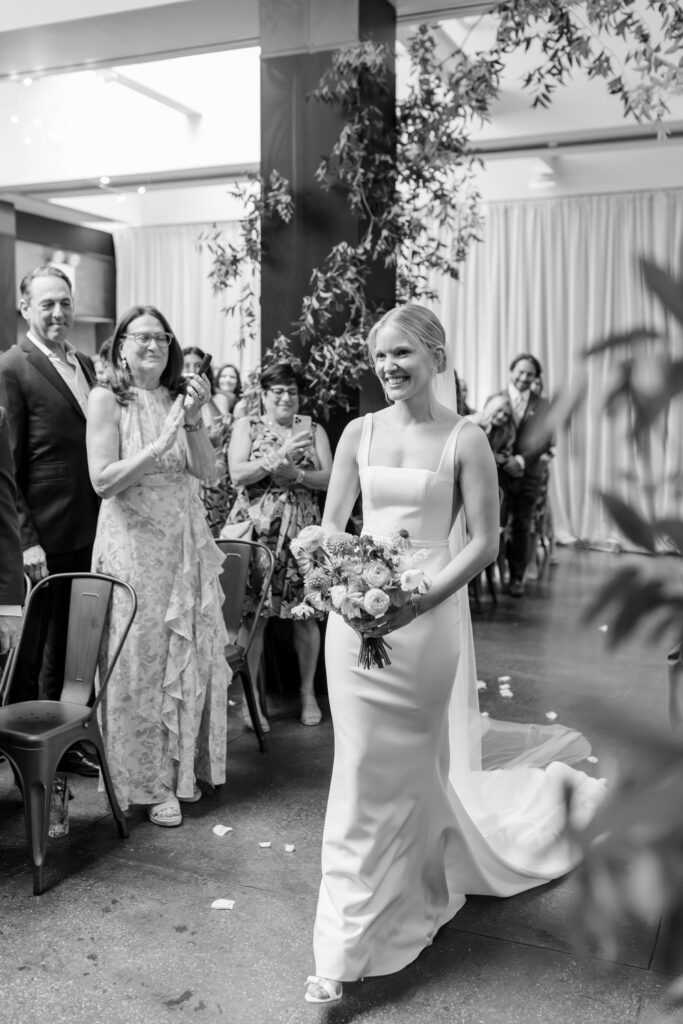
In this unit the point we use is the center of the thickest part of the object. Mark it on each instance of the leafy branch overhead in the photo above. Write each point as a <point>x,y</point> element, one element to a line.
<point>411,175</point>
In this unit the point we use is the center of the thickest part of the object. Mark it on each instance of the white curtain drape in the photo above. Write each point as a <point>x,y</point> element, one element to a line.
<point>163,267</point>
<point>552,277</point>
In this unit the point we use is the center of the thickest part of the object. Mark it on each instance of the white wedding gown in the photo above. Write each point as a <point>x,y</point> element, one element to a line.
<point>413,821</point>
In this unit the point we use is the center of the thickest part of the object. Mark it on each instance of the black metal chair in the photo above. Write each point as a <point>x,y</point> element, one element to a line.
<point>35,734</point>
<point>242,557</point>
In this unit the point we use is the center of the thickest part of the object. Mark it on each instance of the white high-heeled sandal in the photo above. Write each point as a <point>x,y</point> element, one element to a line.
<point>333,989</point>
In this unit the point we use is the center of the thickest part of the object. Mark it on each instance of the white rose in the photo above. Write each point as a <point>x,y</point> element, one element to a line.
<point>376,602</point>
<point>376,574</point>
<point>310,538</point>
<point>414,579</point>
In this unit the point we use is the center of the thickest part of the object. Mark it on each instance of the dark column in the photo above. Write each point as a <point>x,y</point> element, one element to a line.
<point>297,43</point>
<point>8,302</point>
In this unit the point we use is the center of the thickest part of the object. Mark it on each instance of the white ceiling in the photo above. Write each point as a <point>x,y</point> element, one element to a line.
<point>180,127</point>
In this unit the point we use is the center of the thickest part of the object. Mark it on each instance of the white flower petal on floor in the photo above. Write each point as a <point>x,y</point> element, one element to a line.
<point>221,830</point>
<point>552,715</point>
<point>481,685</point>
<point>265,846</point>
<point>289,847</point>
<point>222,904</point>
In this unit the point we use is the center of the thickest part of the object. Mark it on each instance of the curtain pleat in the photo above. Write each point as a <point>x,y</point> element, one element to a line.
<point>552,277</point>
<point>163,267</point>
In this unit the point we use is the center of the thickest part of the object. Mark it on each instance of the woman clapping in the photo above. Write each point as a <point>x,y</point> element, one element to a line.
<point>164,713</point>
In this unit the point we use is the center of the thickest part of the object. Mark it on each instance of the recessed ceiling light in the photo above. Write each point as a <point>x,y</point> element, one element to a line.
<point>28,80</point>
<point>105,179</point>
<point>120,198</point>
<point>141,190</point>
<point>14,119</point>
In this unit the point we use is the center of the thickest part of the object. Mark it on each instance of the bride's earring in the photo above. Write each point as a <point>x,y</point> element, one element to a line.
<point>124,362</point>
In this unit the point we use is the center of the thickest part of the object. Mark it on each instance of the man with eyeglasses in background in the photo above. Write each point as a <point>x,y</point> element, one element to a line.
<point>44,386</point>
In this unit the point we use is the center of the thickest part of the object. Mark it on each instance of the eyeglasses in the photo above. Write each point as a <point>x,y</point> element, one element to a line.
<point>146,338</point>
<point>279,393</point>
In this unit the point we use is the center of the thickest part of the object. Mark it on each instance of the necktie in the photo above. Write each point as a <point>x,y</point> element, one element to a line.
<point>519,406</point>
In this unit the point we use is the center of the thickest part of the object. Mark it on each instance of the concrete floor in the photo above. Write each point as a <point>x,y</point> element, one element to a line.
<point>126,933</point>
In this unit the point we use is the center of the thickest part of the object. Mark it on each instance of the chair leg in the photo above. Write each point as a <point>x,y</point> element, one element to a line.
<point>36,787</point>
<point>248,687</point>
<point>95,737</point>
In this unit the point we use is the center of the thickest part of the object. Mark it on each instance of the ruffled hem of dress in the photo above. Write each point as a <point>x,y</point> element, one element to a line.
<point>191,619</point>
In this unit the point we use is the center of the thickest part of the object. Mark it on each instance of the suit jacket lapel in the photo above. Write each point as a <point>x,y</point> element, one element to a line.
<point>87,367</point>
<point>41,363</point>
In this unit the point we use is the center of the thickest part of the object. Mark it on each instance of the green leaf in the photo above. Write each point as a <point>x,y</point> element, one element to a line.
<point>668,290</point>
<point>622,582</point>
<point>634,337</point>
<point>636,529</point>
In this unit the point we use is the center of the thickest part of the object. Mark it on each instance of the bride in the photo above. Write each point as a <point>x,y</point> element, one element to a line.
<point>413,821</point>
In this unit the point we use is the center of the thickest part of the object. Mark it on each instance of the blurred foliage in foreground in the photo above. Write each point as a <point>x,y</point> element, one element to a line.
<point>633,848</point>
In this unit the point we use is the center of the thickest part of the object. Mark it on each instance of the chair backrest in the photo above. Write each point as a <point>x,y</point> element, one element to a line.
<point>240,556</point>
<point>89,596</point>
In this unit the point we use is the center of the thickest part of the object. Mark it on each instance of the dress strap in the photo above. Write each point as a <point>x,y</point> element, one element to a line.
<point>363,453</point>
<point>448,453</point>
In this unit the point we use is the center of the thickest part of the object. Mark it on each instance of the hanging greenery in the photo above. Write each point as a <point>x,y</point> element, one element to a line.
<point>413,183</point>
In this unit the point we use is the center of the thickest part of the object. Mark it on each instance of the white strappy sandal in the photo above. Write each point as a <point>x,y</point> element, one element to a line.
<point>332,989</point>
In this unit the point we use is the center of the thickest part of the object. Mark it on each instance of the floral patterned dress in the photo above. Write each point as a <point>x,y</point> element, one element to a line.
<point>219,494</point>
<point>164,711</point>
<point>277,513</point>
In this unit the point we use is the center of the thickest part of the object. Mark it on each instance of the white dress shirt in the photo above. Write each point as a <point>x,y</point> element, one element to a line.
<point>519,401</point>
<point>70,371</point>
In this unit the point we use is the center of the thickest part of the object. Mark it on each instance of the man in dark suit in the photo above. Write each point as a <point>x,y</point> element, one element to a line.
<point>44,385</point>
<point>11,563</point>
<point>527,466</point>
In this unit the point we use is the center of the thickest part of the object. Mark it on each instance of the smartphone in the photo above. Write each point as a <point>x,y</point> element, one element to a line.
<point>204,365</point>
<point>301,424</point>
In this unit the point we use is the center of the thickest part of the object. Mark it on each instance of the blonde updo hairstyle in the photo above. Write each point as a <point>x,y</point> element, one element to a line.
<point>418,324</point>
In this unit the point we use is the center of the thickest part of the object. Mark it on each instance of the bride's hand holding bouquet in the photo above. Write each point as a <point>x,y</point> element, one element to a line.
<point>373,584</point>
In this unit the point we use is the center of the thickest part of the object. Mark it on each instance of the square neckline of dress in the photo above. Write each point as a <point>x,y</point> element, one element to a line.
<point>370,416</point>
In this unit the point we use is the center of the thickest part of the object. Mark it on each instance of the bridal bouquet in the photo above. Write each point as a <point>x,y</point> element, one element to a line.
<point>360,578</point>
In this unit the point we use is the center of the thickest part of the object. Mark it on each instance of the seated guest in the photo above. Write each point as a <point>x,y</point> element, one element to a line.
<point>229,386</point>
<point>522,493</point>
<point>277,472</point>
<point>164,712</point>
<point>217,494</point>
<point>495,419</point>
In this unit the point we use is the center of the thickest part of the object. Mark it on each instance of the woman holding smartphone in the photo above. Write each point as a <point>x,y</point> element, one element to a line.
<point>218,493</point>
<point>278,460</point>
<point>164,711</point>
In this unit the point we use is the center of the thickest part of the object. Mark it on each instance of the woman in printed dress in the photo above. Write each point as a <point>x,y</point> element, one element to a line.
<point>277,472</point>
